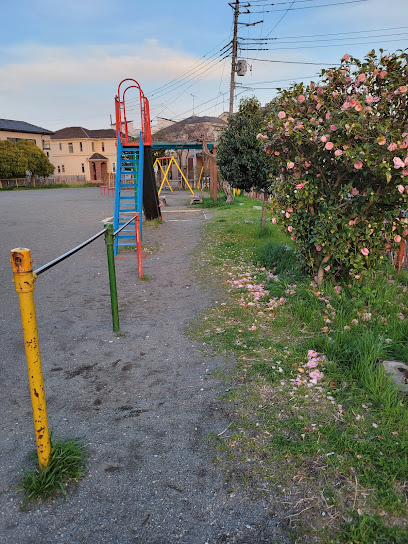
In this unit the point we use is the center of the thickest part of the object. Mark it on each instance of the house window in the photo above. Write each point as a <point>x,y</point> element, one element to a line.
<point>93,146</point>
<point>103,146</point>
<point>47,154</point>
<point>63,168</point>
<point>71,147</point>
<point>80,147</point>
<point>46,145</point>
<point>83,167</point>
<point>113,167</point>
<point>60,146</point>
<point>59,170</point>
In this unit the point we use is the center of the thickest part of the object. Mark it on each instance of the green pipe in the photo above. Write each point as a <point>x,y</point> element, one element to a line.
<point>109,240</point>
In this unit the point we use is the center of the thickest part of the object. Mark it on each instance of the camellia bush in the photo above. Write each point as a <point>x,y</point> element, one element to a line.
<point>340,175</point>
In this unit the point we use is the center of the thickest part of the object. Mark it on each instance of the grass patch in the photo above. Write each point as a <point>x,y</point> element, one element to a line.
<point>145,277</point>
<point>67,461</point>
<point>340,442</point>
<point>153,223</point>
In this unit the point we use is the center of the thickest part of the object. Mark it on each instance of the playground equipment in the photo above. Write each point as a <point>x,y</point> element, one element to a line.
<point>135,181</point>
<point>171,160</point>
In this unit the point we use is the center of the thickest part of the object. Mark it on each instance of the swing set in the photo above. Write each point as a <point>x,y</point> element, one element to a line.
<point>164,163</point>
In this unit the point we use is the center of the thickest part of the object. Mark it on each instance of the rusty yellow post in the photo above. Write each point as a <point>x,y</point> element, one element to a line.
<point>24,281</point>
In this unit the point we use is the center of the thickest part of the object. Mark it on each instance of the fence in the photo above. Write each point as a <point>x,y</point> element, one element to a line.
<point>24,278</point>
<point>40,180</point>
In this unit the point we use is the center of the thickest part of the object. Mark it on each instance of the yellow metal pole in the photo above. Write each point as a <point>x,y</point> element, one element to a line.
<point>166,174</point>
<point>183,176</point>
<point>24,282</point>
<point>199,180</point>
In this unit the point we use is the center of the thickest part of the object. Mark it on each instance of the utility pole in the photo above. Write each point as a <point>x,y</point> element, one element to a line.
<point>234,56</point>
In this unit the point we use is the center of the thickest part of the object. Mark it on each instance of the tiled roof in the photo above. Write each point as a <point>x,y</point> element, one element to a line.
<point>22,126</point>
<point>97,157</point>
<point>72,133</point>
<point>190,130</point>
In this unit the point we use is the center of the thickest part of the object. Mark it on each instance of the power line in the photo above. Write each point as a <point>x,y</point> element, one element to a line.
<point>305,7</point>
<point>330,34</point>
<point>312,46</point>
<point>208,65</point>
<point>336,39</point>
<point>295,62</point>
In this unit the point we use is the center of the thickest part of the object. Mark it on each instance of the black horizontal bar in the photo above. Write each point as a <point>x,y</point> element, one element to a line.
<point>125,225</point>
<point>68,254</point>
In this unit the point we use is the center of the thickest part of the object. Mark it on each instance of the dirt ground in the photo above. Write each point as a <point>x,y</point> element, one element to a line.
<point>144,402</point>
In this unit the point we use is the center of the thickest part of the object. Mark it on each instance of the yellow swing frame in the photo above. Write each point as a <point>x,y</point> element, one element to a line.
<point>165,173</point>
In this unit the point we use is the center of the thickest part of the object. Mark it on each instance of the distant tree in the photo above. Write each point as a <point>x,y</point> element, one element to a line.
<point>13,162</point>
<point>37,161</point>
<point>242,160</point>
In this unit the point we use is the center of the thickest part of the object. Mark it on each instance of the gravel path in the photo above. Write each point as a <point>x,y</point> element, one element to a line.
<point>144,402</point>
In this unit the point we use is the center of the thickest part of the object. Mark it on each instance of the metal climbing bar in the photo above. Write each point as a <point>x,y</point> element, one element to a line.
<point>67,254</point>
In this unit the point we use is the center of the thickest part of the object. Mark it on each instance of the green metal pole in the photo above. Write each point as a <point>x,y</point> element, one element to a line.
<point>109,240</point>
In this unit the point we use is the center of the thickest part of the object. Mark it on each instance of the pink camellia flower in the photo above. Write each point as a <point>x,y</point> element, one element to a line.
<point>369,99</point>
<point>308,164</point>
<point>316,375</point>
<point>357,277</point>
<point>281,115</point>
<point>274,220</point>
<point>333,127</point>
<point>290,210</point>
<point>361,77</point>
<point>392,147</point>
<point>329,146</point>
<point>327,268</point>
<point>383,74</point>
<point>351,222</point>
<point>262,136</point>
<point>300,185</point>
<point>346,57</point>
<point>318,248</point>
<point>328,114</point>
<point>403,89</point>
<point>405,233</point>
<point>346,105</point>
<point>358,107</point>
<point>365,251</point>
<point>290,228</point>
<point>355,191</point>
<point>358,165</point>
<point>398,163</point>
<point>323,139</point>
<point>401,188</point>
<point>290,165</point>
<point>338,152</point>
<point>397,238</point>
<point>301,98</point>
<point>287,214</point>
<point>382,141</point>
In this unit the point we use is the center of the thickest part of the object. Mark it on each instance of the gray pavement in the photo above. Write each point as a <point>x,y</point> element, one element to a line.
<point>144,402</point>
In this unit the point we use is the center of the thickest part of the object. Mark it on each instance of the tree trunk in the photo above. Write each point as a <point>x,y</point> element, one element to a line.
<point>263,216</point>
<point>320,273</point>
<point>32,180</point>
<point>227,190</point>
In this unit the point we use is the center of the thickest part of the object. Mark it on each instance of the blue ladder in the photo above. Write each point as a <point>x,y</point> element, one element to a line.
<point>128,192</point>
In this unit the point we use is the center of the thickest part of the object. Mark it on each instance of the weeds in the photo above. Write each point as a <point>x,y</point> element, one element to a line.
<point>344,431</point>
<point>67,461</point>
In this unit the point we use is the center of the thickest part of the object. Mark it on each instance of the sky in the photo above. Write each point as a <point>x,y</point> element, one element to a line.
<point>61,61</point>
